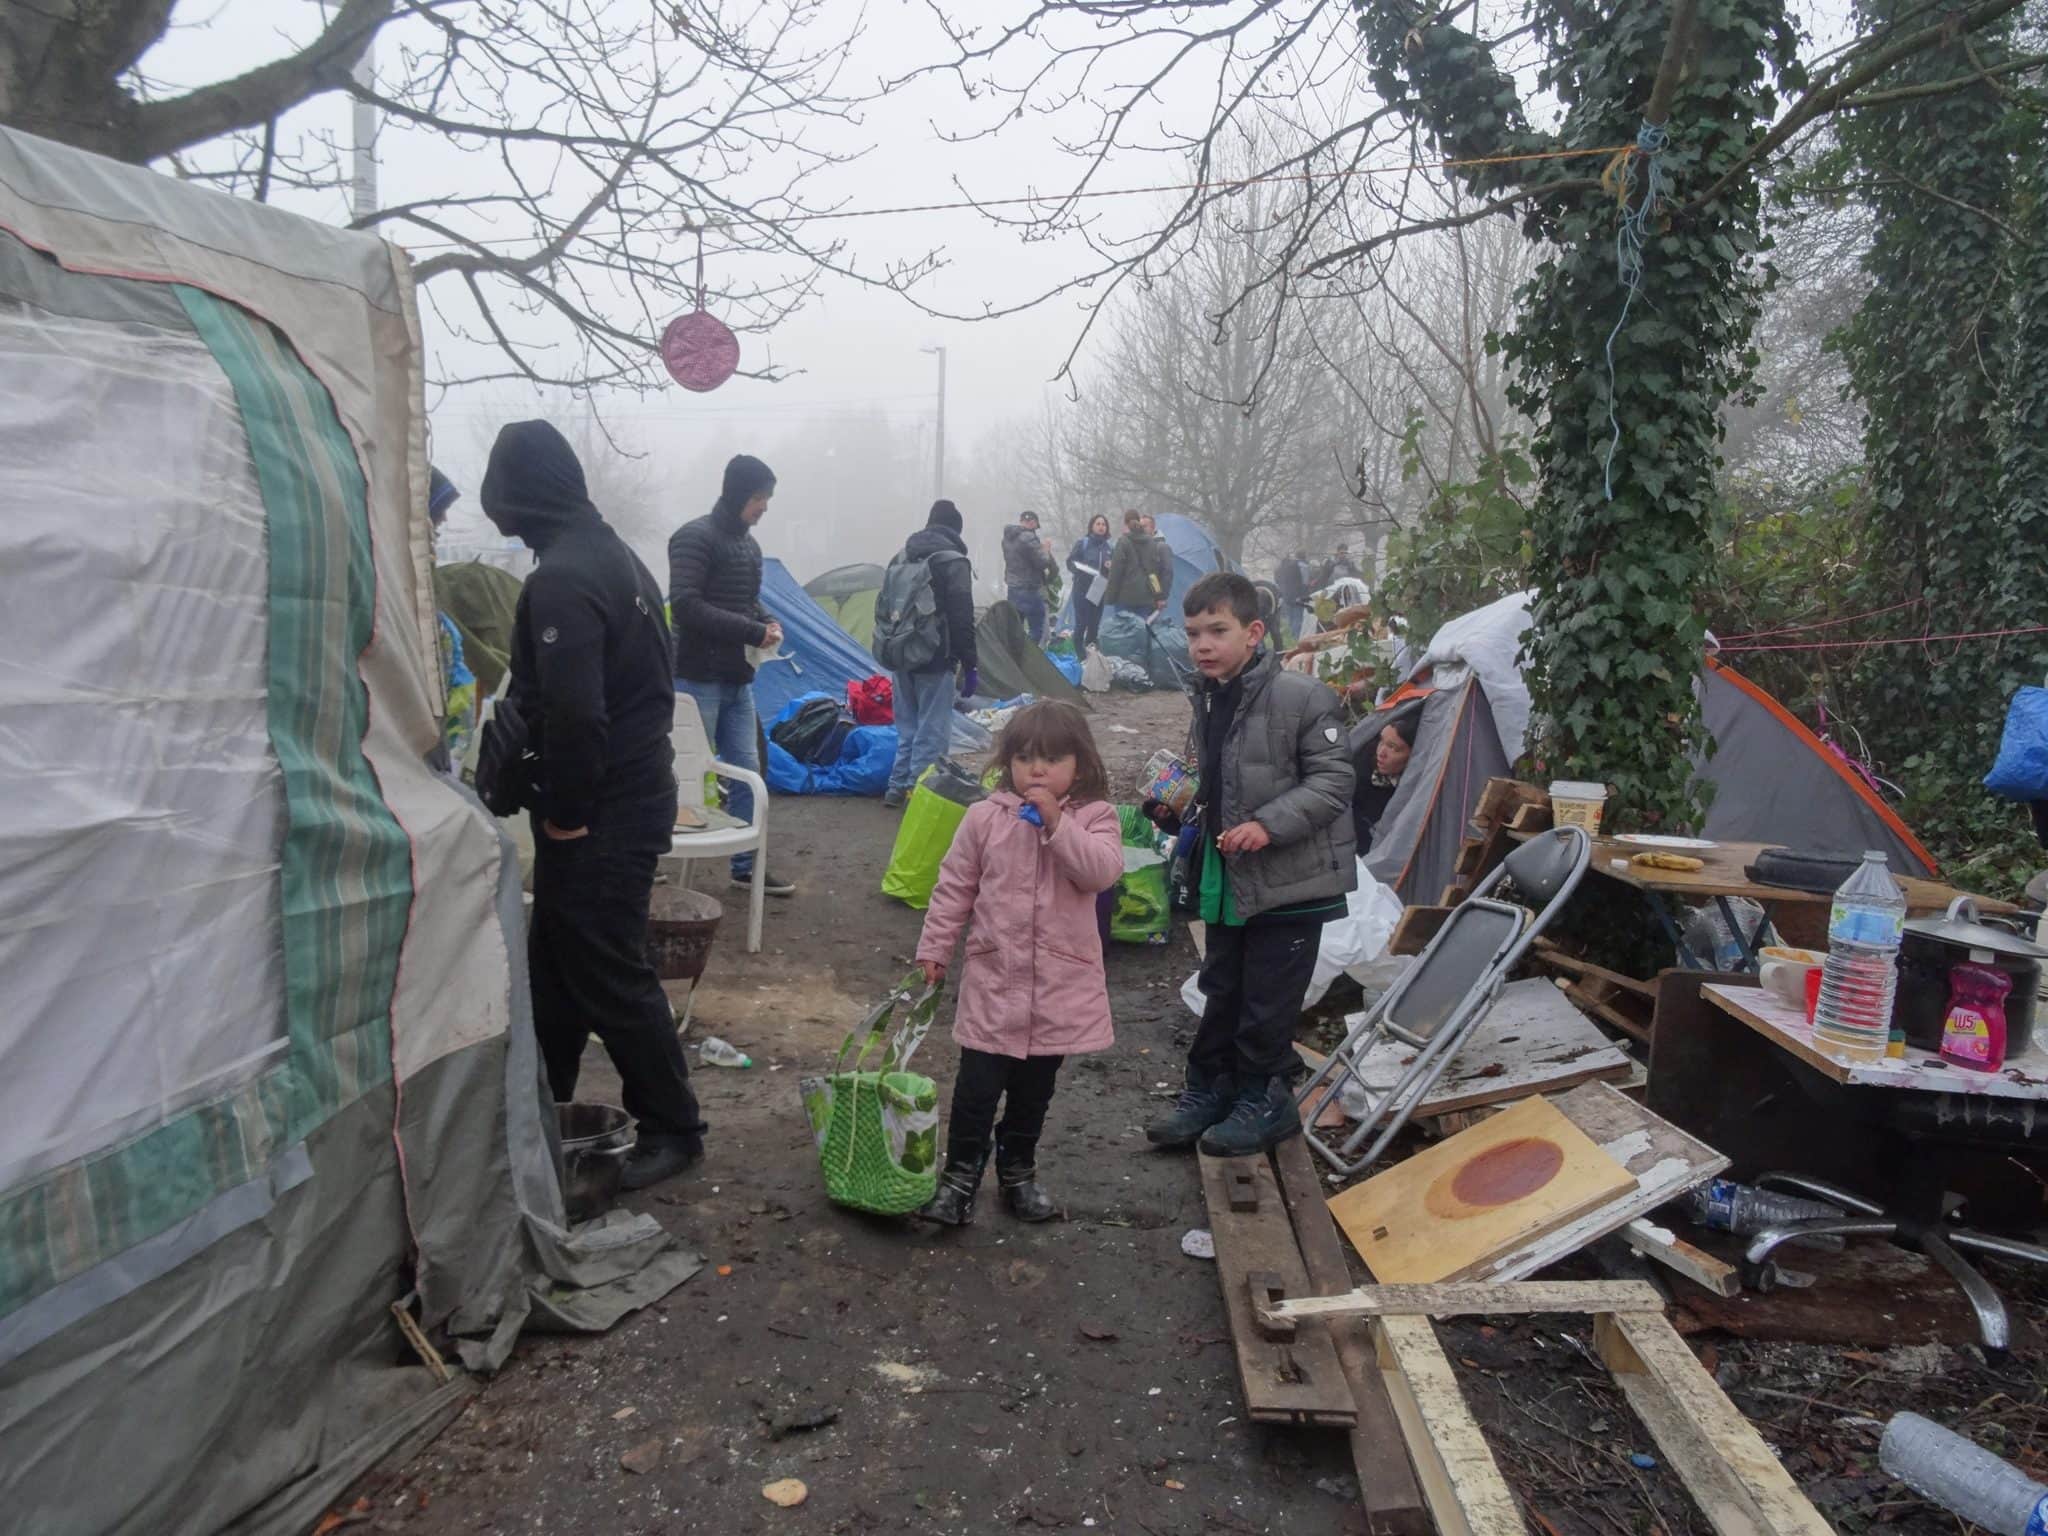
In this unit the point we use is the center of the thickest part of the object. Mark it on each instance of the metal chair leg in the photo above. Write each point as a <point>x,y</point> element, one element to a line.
<point>1992,1325</point>
<point>1820,1189</point>
<point>1760,1273</point>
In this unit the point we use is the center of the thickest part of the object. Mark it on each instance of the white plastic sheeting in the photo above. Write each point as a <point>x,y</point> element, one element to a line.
<point>1350,943</point>
<point>1486,643</point>
<point>139,854</point>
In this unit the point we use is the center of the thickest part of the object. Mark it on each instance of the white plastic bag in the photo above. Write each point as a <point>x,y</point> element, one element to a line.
<point>1094,672</point>
<point>1352,941</point>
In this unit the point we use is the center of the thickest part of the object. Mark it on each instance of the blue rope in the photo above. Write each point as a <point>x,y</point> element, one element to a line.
<point>1629,241</point>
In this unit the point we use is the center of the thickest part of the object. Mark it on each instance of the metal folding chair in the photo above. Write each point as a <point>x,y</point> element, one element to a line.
<point>1441,998</point>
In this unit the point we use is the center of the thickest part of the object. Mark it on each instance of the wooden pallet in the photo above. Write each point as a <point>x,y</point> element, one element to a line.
<point>1394,1503</point>
<point>1716,1452</point>
<point>1509,811</point>
<point>1289,1375</point>
<point>1620,1002</point>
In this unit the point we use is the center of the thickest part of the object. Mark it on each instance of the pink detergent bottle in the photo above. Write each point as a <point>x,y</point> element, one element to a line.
<point>1973,1034</point>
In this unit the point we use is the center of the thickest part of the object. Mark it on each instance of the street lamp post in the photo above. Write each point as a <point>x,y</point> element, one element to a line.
<point>939,440</point>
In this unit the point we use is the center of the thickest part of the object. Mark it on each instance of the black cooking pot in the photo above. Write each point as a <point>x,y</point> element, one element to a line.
<point>1933,946</point>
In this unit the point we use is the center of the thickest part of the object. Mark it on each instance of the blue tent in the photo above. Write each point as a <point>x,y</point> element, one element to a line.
<point>823,657</point>
<point>1195,555</point>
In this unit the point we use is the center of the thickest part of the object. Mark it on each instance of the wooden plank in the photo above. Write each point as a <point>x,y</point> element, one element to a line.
<point>1664,1160</point>
<point>1681,1257</point>
<point>1463,1485</point>
<point>1447,1212</point>
<point>2024,1076</point>
<point>1469,1300</point>
<point>1417,927</point>
<point>1393,1500</point>
<point>1286,1381</point>
<point>1589,995</point>
<point>1531,1041</point>
<point>1723,876</point>
<point>1738,1484</point>
<point>1547,953</point>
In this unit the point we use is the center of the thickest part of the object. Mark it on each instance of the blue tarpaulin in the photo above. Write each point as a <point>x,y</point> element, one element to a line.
<point>822,657</point>
<point>862,767</point>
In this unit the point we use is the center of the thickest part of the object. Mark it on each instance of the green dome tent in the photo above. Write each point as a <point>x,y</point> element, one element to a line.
<point>848,595</point>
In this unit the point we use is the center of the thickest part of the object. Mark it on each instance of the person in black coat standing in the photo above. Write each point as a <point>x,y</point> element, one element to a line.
<point>714,602</point>
<point>590,672</point>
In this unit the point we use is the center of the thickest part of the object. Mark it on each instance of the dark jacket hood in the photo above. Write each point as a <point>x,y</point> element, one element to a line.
<point>745,478</point>
<point>931,539</point>
<point>533,488</point>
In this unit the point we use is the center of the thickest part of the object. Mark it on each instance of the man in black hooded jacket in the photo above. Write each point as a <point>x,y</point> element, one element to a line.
<point>590,672</point>
<point>714,602</point>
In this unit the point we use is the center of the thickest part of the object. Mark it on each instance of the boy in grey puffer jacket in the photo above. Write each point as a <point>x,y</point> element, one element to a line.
<point>1277,858</point>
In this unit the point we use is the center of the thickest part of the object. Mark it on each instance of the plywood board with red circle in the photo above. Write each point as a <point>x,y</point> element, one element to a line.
<point>1447,1210</point>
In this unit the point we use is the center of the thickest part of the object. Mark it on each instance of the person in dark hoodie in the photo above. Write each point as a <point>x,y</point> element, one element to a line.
<point>924,698</point>
<point>714,602</point>
<point>590,672</point>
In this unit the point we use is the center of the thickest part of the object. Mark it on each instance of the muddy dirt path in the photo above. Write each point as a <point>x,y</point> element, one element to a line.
<point>1071,1376</point>
<point>1059,1376</point>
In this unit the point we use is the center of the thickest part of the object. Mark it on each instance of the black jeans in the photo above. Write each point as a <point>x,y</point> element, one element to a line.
<point>587,951</point>
<point>1254,979</point>
<point>1087,624</point>
<point>1025,1091</point>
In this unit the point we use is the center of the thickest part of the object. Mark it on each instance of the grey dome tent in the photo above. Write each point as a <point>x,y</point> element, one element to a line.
<point>269,1066</point>
<point>1774,780</point>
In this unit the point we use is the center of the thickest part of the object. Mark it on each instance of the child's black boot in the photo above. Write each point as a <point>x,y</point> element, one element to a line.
<point>953,1205</point>
<point>1017,1176</point>
<point>1200,1106</point>
<point>1263,1116</point>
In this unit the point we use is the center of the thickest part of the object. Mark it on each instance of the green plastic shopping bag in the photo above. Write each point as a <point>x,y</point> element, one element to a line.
<point>878,1131</point>
<point>931,818</point>
<point>1140,913</point>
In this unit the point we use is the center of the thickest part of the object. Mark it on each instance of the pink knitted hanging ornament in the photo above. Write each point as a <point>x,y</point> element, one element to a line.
<point>699,350</point>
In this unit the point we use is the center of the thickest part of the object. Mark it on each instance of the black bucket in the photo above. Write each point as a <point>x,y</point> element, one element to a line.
<point>681,924</point>
<point>595,1141</point>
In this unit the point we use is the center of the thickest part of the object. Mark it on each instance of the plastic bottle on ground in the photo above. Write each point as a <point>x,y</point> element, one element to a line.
<point>1854,1013</point>
<point>1962,1477</point>
<point>714,1052</point>
<point>1745,1210</point>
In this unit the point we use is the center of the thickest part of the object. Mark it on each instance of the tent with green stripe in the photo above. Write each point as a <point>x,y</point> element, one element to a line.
<point>269,1067</point>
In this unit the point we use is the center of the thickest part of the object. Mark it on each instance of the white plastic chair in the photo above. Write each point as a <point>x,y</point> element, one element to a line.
<point>723,835</point>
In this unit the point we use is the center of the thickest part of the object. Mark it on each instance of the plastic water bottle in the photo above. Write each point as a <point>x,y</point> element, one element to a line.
<point>1854,1013</point>
<point>714,1052</point>
<point>1962,1477</point>
<point>1745,1210</point>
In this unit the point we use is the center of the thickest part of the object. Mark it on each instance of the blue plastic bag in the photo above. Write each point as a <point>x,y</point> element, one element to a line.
<point>1069,665</point>
<point>2021,771</point>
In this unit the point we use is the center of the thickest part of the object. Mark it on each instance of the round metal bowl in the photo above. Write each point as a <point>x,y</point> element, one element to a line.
<point>595,1141</point>
<point>681,924</point>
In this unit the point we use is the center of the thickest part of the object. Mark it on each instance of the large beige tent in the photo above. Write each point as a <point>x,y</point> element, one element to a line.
<point>266,1067</point>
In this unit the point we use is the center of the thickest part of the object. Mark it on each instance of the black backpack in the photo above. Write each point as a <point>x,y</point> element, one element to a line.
<point>506,760</point>
<point>815,733</point>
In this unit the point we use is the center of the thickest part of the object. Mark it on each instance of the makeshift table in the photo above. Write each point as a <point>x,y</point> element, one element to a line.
<point>1741,1070</point>
<point>1722,880</point>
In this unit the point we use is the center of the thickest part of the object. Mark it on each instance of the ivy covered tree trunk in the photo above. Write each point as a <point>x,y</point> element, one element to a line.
<point>1947,355</point>
<point>1617,635</point>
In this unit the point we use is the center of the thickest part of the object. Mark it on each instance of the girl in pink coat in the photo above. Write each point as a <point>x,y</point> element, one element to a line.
<point>1026,867</point>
